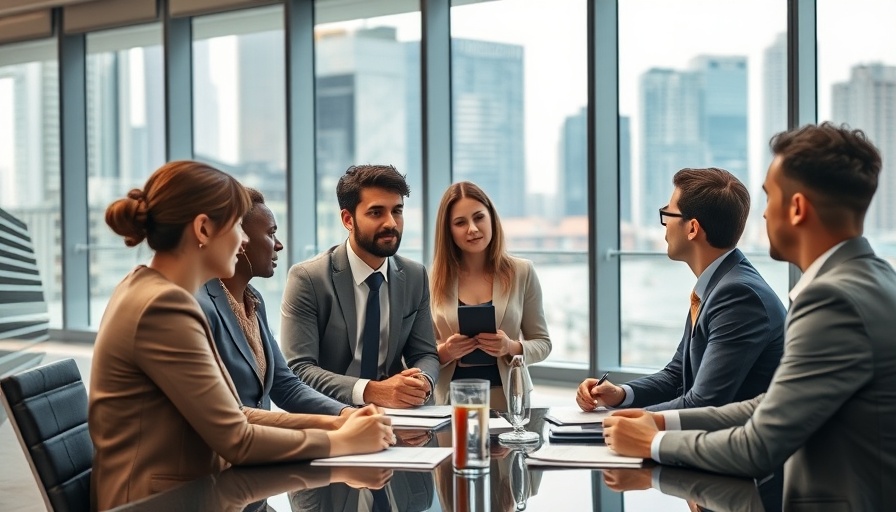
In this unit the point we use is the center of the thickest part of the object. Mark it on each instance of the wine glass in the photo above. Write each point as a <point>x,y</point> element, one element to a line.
<point>518,405</point>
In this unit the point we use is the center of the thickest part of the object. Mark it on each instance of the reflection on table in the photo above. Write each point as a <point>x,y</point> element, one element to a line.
<point>508,485</point>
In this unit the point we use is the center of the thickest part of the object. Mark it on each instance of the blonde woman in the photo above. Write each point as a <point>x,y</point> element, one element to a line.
<point>472,267</point>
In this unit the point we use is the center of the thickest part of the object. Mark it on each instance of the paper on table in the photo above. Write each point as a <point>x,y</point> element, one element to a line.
<point>412,422</point>
<point>580,456</point>
<point>396,457</point>
<point>575,416</point>
<point>498,426</point>
<point>425,411</point>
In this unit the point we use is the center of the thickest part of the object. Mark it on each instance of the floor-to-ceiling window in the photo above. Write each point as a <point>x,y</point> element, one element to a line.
<point>701,84</point>
<point>519,97</point>
<point>125,143</point>
<point>367,100</point>
<point>29,156</point>
<point>239,113</point>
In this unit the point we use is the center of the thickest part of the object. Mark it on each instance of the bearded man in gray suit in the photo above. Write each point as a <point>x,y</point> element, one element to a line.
<point>830,411</point>
<point>356,321</point>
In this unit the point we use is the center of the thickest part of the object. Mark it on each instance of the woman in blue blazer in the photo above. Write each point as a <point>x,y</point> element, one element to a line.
<point>238,320</point>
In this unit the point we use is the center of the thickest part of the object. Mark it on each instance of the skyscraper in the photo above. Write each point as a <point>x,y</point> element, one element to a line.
<point>691,118</point>
<point>574,164</point>
<point>487,120</point>
<point>671,137</point>
<point>774,94</point>
<point>868,101</point>
<point>362,114</point>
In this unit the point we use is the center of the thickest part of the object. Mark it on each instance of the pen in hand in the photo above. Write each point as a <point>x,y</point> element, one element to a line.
<point>599,382</point>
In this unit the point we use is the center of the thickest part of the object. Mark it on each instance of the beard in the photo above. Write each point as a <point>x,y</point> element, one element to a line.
<point>374,245</point>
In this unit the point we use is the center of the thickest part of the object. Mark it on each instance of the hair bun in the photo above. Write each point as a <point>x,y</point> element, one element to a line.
<point>128,217</point>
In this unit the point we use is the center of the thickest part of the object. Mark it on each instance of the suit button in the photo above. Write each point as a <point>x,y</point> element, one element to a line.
<point>258,405</point>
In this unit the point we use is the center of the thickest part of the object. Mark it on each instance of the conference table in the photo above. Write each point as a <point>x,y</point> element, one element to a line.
<point>509,484</point>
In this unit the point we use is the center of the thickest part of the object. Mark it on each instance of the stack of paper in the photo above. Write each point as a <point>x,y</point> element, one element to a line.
<point>580,456</point>
<point>427,416</point>
<point>395,457</point>
<point>575,416</point>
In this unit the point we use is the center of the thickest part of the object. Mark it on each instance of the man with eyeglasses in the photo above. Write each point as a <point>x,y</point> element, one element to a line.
<point>734,330</point>
<point>830,413</point>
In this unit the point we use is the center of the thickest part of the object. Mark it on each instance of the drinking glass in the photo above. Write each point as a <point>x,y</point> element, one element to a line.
<point>519,479</point>
<point>518,405</point>
<point>469,425</point>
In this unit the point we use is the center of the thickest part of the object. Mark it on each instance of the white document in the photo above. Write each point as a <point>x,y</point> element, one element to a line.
<point>499,425</point>
<point>396,457</point>
<point>425,411</point>
<point>575,416</point>
<point>412,422</point>
<point>580,456</point>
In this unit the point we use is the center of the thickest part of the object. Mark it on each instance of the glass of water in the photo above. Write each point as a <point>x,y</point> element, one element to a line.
<point>469,425</point>
<point>518,405</point>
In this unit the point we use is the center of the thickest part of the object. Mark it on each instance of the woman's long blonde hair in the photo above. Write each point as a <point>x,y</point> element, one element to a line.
<point>446,261</point>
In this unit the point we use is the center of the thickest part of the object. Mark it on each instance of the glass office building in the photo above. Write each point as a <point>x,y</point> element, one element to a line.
<point>572,114</point>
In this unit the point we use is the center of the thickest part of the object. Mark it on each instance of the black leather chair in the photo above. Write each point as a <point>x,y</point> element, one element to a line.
<point>47,407</point>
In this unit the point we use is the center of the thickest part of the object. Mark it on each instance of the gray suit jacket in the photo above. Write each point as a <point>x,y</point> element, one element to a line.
<point>278,382</point>
<point>320,322</point>
<point>732,351</point>
<point>830,411</point>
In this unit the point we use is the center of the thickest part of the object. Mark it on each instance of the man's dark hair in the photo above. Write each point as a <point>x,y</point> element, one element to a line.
<point>717,200</point>
<point>359,177</point>
<point>838,166</point>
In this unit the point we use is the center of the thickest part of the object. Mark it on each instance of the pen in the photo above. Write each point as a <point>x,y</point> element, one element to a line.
<point>599,382</point>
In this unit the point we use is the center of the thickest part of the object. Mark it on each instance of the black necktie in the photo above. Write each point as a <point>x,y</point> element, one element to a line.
<point>370,336</point>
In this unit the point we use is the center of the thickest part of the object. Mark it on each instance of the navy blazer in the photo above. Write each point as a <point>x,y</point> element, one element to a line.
<point>731,353</point>
<point>280,384</point>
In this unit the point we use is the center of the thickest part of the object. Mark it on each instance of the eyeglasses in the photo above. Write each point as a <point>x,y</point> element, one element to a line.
<point>664,214</point>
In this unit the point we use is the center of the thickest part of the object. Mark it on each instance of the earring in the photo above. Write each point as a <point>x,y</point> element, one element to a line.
<point>201,245</point>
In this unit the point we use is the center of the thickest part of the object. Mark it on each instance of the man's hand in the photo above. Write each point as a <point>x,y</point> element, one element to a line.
<point>498,344</point>
<point>630,432</point>
<point>628,479</point>
<point>589,395</point>
<point>400,391</point>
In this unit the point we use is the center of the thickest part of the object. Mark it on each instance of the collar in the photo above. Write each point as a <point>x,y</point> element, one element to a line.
<point>360,270</point>
<point>812,271</point>
<point>706,276</point>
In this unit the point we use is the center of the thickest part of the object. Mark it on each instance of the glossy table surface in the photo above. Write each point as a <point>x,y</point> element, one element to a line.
<point>508,485</point>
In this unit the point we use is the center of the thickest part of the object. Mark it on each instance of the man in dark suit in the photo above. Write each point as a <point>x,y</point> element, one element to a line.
<point>241,331</point>
<point>830,411</point>
<point>734,331</point>
<point>356,321</point>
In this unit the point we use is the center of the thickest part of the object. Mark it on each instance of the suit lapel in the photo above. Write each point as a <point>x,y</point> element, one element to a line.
<point>727,264</point>
<point>345,293</point>
<point>266,339</point>
<point>499,299</point>
<point>398,290</point>
<point>231,326</point>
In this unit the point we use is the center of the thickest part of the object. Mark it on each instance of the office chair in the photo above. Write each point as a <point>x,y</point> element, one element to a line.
<point>47,407</point>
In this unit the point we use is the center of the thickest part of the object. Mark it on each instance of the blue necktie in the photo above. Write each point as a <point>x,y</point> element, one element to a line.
<point>370,335</point>
<point>380,498</point>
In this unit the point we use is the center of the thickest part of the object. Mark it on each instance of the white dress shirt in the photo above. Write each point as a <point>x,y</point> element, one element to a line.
<point>360,272</point>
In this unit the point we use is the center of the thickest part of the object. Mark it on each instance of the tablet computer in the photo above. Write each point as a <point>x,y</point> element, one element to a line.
<point>473,320</point>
